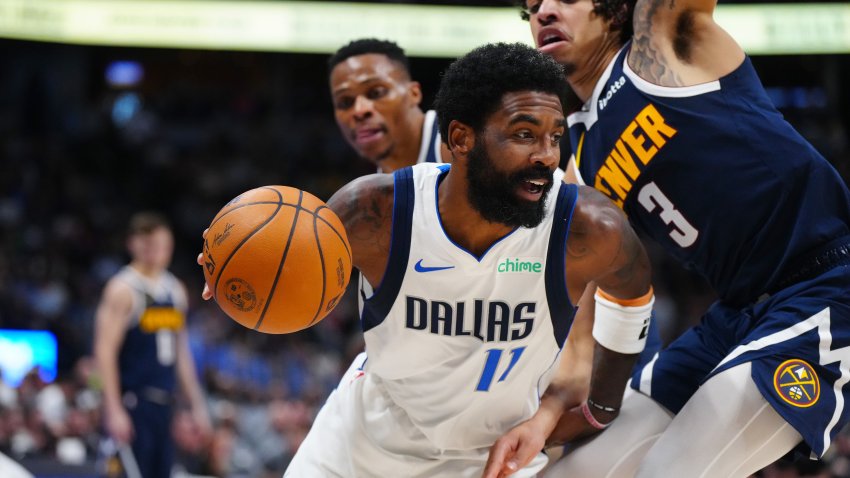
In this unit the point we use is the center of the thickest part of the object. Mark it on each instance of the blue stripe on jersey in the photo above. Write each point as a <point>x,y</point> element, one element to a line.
<point>376,308</point>
<point>561,310</point>
<point>433,154</point>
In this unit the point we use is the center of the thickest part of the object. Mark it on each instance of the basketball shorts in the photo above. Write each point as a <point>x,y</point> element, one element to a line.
<point>798,341</point>
<point>152,446</point>
<point>360,433</point>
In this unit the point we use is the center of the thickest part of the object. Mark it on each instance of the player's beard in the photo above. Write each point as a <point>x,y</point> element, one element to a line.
<point>494,194</point>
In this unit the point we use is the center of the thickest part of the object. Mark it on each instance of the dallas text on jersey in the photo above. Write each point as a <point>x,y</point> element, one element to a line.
<point>490,321</point>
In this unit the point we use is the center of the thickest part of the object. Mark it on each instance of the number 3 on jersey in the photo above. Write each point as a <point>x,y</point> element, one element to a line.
<point>683,233</point>
<point>492,362</point>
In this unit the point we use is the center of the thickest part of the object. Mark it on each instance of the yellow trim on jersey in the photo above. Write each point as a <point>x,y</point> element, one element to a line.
<point>578,150</point>
<point>158,318</point>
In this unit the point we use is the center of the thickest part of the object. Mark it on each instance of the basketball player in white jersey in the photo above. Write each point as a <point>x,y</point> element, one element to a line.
<point>478,270</point>
<point>377,106</point>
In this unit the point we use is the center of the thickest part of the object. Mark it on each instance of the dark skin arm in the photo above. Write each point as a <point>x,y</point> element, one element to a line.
<point>365,207</point>
<point>618,264</point>
<point>602,249</point>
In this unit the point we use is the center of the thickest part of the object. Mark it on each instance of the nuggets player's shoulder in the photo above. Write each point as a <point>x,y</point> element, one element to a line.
<point>117,289</point>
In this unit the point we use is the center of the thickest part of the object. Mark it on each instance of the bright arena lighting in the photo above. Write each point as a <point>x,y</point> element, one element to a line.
<point>320,27</point>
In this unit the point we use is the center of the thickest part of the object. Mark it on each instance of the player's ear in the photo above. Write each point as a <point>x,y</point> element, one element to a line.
<point>414,91</point>
<point>461,138</point>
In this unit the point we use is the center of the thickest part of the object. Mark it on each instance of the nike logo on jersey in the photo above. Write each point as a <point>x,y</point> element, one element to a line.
<point>420,268</point>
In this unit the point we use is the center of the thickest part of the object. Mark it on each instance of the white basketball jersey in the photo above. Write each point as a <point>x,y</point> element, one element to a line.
<point>429,152</point>
<point>466,345</point>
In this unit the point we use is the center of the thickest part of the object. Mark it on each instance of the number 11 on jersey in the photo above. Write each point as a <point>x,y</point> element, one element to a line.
<point>491,363</point>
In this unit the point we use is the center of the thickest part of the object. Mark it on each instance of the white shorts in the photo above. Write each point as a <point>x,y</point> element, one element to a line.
<point>360,433</point>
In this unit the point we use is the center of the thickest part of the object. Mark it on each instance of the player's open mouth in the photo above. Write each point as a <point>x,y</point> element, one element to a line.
<point>368,135</point>
<point>549,39</point>
<point>532,189</point>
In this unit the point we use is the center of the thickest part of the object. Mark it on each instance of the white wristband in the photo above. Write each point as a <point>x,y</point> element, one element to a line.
<point>622,328</point>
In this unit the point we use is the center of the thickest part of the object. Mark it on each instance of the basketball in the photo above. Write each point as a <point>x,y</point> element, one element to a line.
<point>276,259</point>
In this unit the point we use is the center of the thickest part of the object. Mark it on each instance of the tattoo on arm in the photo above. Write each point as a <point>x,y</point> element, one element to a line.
<point>370,217</point>
<point>645,57</point>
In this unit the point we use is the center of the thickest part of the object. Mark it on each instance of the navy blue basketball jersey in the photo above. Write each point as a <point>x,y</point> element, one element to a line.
<point>149,352</point>
<point>713,173</point>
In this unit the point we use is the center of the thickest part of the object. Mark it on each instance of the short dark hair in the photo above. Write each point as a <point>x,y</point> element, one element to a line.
<point>145,222</point>
<point>619,12</point>
<point>473,86</point>
<point>365,46</point>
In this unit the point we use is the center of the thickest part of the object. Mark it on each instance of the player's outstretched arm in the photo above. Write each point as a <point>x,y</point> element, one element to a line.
<point>678,43</point>
<point>604,249</point>
<point>365,207</point>
<point>111,320</point>
<point>568,389</point>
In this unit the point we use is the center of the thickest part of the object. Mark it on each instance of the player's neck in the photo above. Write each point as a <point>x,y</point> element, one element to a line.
<point>406,151</point>
<point>147,270</point>
<point>461,222</point>
<point>585,78</point>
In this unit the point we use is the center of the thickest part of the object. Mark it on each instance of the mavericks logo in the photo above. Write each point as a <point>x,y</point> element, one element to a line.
<point>520,265</point>
<point>797,383</point>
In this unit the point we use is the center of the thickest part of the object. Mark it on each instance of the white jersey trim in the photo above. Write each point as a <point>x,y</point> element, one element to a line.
<point>668,91</point>
<point>588,114</point>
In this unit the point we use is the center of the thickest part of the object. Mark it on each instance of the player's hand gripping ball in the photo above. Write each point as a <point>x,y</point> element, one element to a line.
<point>277,259</point>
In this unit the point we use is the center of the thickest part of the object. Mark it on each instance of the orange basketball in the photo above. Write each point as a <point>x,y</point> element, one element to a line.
<point>277,259</point>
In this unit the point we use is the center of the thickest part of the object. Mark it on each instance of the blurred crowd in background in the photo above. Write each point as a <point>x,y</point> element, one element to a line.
<point>80,152</point>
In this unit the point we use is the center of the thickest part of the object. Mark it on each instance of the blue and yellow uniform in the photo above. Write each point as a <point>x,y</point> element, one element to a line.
<point>147,366</point>
<point>715,175</point>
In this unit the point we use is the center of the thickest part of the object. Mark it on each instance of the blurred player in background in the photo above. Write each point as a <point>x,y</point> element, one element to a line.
<point>142,351</point>
<point>377,106</point>
<point>677,129</point>
<point>477,265</point>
